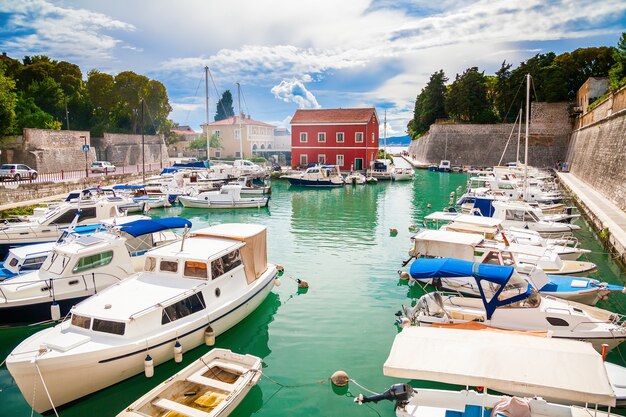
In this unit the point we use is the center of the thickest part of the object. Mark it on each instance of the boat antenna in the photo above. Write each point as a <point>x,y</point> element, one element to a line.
<point>240,131</point>
<point>182,242</point>
<point>206,108</point>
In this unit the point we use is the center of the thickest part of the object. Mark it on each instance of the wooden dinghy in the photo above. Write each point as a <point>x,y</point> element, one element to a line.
<point>211,386</point>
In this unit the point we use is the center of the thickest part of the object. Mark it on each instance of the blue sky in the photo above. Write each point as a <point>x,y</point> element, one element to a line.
<point>302,54</point>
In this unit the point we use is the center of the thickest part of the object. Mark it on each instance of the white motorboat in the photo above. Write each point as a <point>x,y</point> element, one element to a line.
<point>380,169</point>
<point>510,303</point>
<point>24,259</point>
<point>211,386</point>
<point>228,197</point>
<point>191,290</point>
<point>319,176</point>
<point>444,166</point>
<point>355,178</point>
<point>566,371</point>
<point>80,266</point>
<point>48,226</point>
<point>248,186</point>
<point>245,168</point>
<point>402,174</point>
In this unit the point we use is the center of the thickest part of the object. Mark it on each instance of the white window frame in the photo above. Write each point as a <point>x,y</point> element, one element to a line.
<point>321,159</point>
<point>356,137</point>
<point>321,137</point>
<point>373,137</point>
<point>343,137</point>
<point>304,159</point>
<point>304,137</point>
<point>340,160</point>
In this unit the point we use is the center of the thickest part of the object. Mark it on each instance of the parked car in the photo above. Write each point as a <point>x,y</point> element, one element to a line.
<point>102,166</point>
<point>17,172</point>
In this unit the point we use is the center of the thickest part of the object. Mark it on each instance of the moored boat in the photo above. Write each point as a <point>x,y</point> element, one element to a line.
<point>211,386</point>
<point>228,197</point>
<point>322,176</point>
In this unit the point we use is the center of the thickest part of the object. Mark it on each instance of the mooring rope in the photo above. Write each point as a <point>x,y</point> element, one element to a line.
<point>280,384</point>
<point>362,387</point>
<point>46,389</point>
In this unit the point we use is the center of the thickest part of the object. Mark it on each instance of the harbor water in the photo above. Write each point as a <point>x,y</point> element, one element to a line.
<point>340,241</point>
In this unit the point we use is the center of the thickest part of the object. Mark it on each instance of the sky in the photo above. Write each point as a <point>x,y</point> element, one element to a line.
<point>291,54</point>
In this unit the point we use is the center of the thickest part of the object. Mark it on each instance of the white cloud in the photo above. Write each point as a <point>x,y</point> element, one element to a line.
<point>295,91</point>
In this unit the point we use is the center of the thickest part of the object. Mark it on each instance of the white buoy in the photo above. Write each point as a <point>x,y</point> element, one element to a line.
<point>148,366</point>
<point>405,322</point>
<point>55,311</point>
<point>340,378</point>
<point>209,336</point>
<point>429,205</point>
<point>178,352</point>
<point>277,282</point>
<point>302,283</point>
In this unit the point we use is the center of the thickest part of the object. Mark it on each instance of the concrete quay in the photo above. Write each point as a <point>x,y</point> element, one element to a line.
<point>415,163</point>
<point>602,213</point>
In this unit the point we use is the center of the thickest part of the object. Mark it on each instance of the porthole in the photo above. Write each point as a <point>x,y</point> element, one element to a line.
<point>217,292</point>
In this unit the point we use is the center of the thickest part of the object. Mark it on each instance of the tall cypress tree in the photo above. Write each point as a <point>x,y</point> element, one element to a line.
<point>225,107</point>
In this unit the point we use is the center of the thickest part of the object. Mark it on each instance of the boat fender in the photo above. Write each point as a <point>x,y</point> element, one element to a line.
<point>280,268</point>
<point>437,283</point>
<point>178,352</point>
<point>55,311</point>
<point>393,232</point>
<point>404,322</point>
<point>404,275</point>
<point>148,366</point>
<point>209,336</point>
<point>302,283</point>
<point>277,282</point>
<point>340,378</point>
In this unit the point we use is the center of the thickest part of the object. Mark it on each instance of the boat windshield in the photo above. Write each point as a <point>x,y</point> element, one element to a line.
<point>56,263</point>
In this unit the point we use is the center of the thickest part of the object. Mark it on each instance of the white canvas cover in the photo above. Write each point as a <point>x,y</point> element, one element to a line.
<point>524,365</point>
<point>441,243</point>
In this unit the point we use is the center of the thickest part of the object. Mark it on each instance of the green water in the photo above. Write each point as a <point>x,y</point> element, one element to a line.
<point>339,241</point>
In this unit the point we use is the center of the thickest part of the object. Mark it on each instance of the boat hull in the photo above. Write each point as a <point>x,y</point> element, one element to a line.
<point>84,372</point>
<point>243,203</point>
<point>314,183</point>
<point>35,313</point>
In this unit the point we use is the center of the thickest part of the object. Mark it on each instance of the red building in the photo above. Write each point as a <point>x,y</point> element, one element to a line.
<point>344,137</point>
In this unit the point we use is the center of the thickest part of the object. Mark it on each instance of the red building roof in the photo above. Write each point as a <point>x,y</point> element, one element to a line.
<point>331,116</point>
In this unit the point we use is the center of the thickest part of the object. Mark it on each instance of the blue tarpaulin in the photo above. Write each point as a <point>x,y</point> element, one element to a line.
<point>484,206</point>
<point>142,227</point>
<point>457,268</point>
<point>169,170</point>
<point>128,187</point>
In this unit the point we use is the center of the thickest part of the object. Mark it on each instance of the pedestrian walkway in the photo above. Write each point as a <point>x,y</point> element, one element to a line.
<point>415,163</point>
<point>603,212</point>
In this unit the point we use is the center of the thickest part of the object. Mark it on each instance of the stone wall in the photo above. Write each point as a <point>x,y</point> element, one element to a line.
<point>121,149</point>
<point>483,145</point>
<point>597,156</point>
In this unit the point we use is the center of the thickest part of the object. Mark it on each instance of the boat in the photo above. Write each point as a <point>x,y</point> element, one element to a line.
<point>444,166</point>
<point>190,291</point>
<point>47,226</point>
<point>322,176</point>
<point>355,178</point>
<point>402,174</point>
<point>380,169</point>
<point>510,303</point>
<point>24,259</point>
<point>536,370</point>
<point>433,167</point>
<point>82,265</point>
<point>228,197</point>
<point>248,187</point>
<point>211,386</point>
<point>617,378</point>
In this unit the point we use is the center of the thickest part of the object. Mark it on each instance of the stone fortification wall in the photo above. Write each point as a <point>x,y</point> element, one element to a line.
<point>483,145</point>
<point>49,150</point>
<point>597,156</point>
<point>121,149</point>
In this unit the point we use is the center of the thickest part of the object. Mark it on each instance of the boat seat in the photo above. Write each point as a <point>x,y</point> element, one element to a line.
<point>460,315</point>
<point>213,383</point>
<point>178,408</point>
<point>229,366</point>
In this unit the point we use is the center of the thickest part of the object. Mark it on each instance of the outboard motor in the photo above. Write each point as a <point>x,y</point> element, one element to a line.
<point>398,392</point>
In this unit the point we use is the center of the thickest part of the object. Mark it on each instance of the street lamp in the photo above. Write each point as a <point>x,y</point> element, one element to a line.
<point>86,151</point>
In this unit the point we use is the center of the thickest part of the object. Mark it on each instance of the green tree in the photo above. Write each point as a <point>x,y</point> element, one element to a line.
<point>429,105</point>
<point>617,73</point>
<point>100,89</point>
<point>225,107</point>
<point>8,101</point>
<point>29,115</point>
<point>199,143</point>
<point>157,106</point>
<point>467,98</point>
<point>504,93</point>
<point>129,89</point>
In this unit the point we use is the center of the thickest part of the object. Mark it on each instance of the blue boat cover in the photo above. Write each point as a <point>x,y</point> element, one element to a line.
<point>457,268</point>
<point>197,164</point>
<point>142,227</point>
<point>169,170</point>
<point>128,187</point>
<point>484,206</point>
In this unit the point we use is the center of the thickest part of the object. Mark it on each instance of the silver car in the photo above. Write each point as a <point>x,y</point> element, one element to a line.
<point>102,166</point>
<point>17,172</point>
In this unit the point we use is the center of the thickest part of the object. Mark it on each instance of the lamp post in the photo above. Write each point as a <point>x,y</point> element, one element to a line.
<point>86,151</point>
<point>143,148</point>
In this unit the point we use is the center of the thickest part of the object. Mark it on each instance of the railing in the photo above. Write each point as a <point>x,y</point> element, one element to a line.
<point>81,173</point>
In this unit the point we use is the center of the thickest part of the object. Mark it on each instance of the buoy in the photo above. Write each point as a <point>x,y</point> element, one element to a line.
<point>277,282</point>
<point>393,232</point>
<point>340,378</point>
<point>280,268</point>
<point>405,322</point>
<point>412,280</point>
<point>209,336</point>
<point>302,283</point>
<point>429,205</point>
<point>404,275</point>
<point>178,352</point>
<point>148,366</point>
<point>55,311</point>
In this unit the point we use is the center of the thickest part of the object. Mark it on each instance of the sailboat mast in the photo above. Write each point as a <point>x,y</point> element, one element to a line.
<point>240,131</point>
<point>206,108</point>
<point>385,134</point>
<point>519,133</point>
<point>526,136</point>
